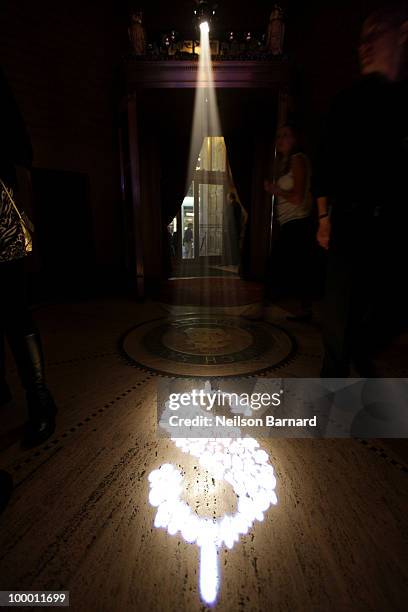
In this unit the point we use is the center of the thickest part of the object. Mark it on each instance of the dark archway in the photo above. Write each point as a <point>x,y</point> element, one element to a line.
<point>248,108</point>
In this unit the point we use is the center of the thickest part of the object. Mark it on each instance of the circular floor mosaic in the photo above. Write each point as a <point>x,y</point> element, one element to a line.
<point>207,346</point>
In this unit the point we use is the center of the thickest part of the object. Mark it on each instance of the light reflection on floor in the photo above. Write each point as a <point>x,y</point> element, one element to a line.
<point>242,464</point>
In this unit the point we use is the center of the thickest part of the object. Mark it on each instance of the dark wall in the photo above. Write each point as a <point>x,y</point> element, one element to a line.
<point>60,61</point>
<point>320,39</point>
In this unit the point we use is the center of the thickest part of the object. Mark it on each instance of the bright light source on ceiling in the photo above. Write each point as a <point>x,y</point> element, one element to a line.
<point>204,27</point>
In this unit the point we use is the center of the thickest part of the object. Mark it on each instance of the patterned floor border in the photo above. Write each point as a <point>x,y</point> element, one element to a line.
<point>133,363</point>
<point>54,442</point>
<point>53,446</point>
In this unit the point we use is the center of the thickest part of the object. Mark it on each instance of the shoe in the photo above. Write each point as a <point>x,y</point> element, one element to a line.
<point>41,417</point>
<point>6,488</point>
<point>41,407</point>
<point>38,431</point>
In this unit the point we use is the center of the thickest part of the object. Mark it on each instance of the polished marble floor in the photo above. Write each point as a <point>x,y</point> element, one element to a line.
<point>80,519</point>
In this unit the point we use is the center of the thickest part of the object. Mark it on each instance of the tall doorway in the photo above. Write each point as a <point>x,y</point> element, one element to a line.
<point>200,233</point>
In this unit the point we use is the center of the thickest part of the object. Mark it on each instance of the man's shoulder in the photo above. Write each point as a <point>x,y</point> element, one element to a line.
<point>360,96</point>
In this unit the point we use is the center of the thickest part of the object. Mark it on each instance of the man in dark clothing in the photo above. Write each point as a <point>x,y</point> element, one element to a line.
<point>362,176</point>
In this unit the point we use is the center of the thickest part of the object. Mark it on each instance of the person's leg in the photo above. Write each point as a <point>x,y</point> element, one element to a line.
<point>385,304</point>
<point>25,343</point>
<point>336,317</point>
<point>278,275</point>
<point>362,327</point>
<point>300,266</point>
<point>307,265</point>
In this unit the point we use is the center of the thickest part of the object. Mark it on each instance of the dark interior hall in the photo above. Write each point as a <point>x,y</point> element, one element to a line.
<point>137,280</point>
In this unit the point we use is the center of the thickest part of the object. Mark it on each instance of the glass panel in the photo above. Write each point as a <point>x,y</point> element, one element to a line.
<point>211,203</point>
<point>187,224</point>
<point>212,155</point>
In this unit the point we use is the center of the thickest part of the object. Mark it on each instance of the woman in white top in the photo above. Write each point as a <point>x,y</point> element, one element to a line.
<point>293,207</point>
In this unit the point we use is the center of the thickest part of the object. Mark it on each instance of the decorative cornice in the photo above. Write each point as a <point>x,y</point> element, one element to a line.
<point>226,74</point>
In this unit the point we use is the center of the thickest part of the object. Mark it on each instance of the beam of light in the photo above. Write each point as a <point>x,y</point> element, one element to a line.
<point>242,464</point>
<point>204,27</point>
<point>206,121</point>
<point>206,124</point>
<point>208,572</point>
<point>238,461</point>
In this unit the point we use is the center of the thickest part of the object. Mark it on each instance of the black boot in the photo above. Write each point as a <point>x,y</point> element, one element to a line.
<point>6,488</point>
<point>29,358</point>
<point>5,395</point>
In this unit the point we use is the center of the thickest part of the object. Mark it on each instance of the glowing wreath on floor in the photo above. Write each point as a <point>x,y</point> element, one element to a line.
<point>242,464</point>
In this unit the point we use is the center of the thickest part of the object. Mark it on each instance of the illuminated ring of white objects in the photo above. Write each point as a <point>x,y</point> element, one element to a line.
<point>241,463</point>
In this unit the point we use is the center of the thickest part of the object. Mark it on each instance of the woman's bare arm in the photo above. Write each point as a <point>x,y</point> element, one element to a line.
<point>324,229</point>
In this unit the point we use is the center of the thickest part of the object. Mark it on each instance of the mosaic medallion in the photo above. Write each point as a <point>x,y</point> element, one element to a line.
<point>207,346</point>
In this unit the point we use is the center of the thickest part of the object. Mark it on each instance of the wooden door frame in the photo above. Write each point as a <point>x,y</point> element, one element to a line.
<point>273,74</point>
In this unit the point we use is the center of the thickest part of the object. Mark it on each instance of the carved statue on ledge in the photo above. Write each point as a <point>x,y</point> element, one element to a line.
<point>137,34</point>
<point>276,31</point>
